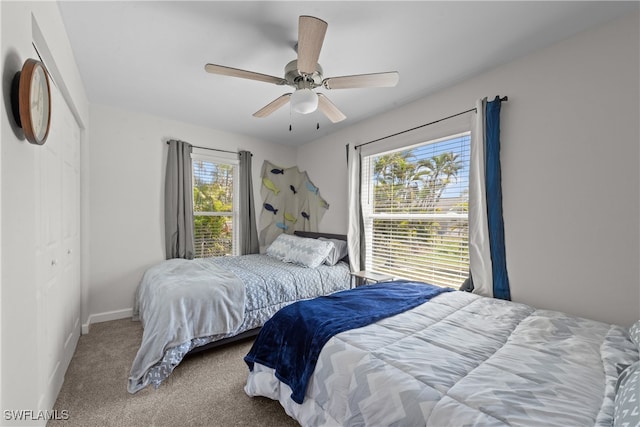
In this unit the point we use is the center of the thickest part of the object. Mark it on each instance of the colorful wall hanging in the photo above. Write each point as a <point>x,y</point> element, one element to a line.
<point>290,202</point>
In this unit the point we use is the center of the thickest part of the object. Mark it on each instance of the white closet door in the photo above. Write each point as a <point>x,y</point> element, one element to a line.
<point>70,256</point>
<point>58,248</point>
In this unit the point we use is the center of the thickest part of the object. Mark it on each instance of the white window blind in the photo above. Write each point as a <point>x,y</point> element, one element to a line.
<point>415,211</point>
<point>215,189</point>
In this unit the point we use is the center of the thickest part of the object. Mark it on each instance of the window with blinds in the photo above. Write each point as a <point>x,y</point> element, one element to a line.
<point>415,211</point>
<point>214,206</point>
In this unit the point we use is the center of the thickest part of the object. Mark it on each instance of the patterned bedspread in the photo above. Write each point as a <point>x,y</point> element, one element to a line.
<point>461,359</point>
<point>269,285</point>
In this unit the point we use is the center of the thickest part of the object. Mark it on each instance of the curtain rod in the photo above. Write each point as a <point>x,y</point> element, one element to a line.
<point>213,149</point>
<point>504,98</point>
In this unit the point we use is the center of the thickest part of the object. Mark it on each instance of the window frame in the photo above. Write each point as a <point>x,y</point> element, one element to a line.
<point>221,158</point>
<point>367,174</point>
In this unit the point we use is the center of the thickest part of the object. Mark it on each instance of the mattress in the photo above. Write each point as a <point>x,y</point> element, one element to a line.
<point>462,359</point>
<point>267,286</point>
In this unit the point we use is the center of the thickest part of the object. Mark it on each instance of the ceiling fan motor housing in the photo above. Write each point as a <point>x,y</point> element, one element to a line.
<point>298,80</point>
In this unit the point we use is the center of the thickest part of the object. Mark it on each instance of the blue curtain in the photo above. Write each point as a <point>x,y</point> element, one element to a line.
<point>494,200</point>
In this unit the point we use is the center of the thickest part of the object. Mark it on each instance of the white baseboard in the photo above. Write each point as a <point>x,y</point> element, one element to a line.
<point>105,317</point>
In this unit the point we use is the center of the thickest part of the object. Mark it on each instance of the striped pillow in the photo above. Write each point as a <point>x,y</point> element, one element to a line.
<point>627,411</point>
<point>301,251</point>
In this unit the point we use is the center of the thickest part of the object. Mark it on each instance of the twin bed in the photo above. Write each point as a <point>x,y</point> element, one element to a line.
<point>456,359</point>
<point>189,305</point>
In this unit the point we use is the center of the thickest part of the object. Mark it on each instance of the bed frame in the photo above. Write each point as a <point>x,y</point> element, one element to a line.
<point>253,332</point>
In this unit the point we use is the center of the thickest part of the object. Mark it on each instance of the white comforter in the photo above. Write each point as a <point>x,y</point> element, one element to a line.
<point>461,359</point>
<point>179,300</point>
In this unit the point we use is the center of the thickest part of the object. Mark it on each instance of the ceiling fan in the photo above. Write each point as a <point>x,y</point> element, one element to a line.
<point>305,74</point>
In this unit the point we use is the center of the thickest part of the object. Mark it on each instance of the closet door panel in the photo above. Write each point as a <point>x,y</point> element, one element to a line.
<point>58,248</point>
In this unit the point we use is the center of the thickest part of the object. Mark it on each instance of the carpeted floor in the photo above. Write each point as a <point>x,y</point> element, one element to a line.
<point>204,390</point>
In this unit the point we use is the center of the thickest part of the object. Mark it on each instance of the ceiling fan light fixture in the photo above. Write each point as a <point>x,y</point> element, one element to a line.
<point>304,101</point>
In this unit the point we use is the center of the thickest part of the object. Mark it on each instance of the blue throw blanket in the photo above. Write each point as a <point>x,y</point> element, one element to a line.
<point>290,342</point>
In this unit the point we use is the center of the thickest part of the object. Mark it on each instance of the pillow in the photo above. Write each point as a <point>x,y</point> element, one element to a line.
<point>308,252</point>
<point>634,332</point>
<point>279,247</point>
<point>300,250</point>
<point>339,251</point>
<point>626,411</point>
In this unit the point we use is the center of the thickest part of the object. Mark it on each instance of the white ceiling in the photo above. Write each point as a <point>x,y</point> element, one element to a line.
<point>149,56</point>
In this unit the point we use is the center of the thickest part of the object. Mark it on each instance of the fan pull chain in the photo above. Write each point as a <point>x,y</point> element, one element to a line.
<point>317,126</point>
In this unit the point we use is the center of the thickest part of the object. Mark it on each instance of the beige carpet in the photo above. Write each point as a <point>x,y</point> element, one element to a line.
<point>204,390</point>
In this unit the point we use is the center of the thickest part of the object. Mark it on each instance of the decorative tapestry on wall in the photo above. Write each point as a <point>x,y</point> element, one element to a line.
<point>290,202</point>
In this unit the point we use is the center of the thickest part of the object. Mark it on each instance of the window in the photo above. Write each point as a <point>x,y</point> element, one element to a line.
<point>215,189</point>
<point>415,211</point>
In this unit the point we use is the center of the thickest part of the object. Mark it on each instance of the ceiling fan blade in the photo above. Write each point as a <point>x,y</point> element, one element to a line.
<point>329,109</point>
<point>311,33</point>
<point>272,106</point>
<point>236,72</point>
<point>389,79</point>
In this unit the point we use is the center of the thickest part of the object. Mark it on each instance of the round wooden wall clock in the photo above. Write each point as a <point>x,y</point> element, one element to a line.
<point>31,99</point>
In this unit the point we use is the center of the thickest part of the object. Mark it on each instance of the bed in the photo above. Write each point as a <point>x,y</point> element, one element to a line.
<point>455,358</point>
<point>189,305</point>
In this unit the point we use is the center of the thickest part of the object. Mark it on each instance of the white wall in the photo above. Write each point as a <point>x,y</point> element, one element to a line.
<point>22,352</point>
<point>570,160</point>
<point>126,179</point>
